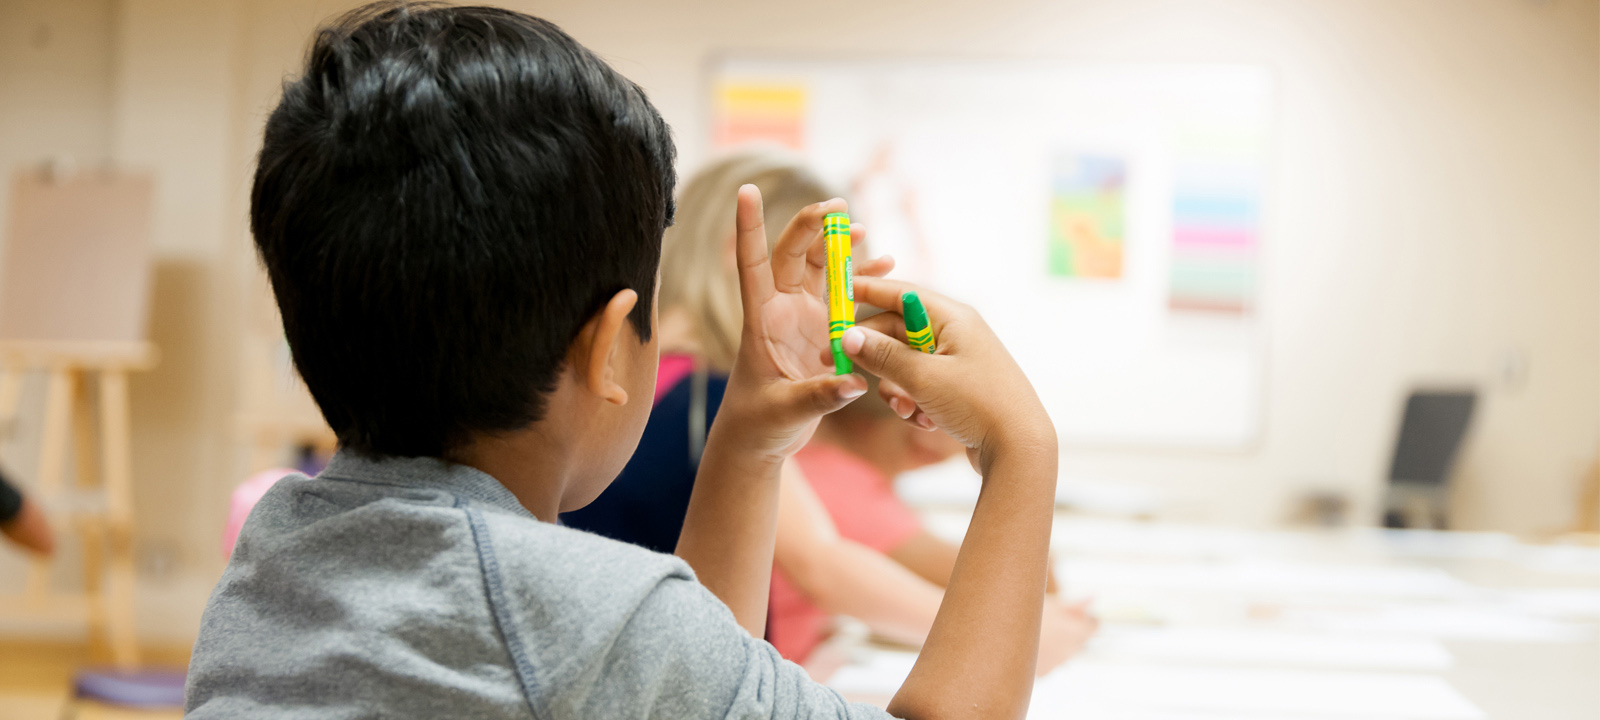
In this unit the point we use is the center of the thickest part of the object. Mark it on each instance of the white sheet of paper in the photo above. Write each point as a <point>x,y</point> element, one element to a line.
<point>1263,577</point>
<point>1088,689</point>
<point>1431,543</point>
<point>1573,603</point>
<point>1561,559</point>
<point>1445,621</point>
<point>874,672</point>
<point>1212,646</point>
<point>1113,690</point>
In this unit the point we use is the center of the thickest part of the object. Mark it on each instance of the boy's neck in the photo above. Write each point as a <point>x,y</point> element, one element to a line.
<point>522,469</point>
<point>532,466</point>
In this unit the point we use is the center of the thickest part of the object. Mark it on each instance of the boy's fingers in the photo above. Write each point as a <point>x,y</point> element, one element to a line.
<point>755,268</point>
<point>886,293</point>
<point>898,400</point>
<point>817,262</point>
<point>889,322</point>
<point>884,356</point>
<point>804,233</point>
<point>876,267</point>
<point>827,393</point>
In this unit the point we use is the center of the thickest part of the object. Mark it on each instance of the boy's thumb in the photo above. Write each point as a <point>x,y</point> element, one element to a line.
<point>883,356</point>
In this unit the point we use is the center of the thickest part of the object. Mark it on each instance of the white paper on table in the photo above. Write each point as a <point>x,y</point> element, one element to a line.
<point>874,672</point>
<point>1086,689</point>
<point>1097,536</point>
<point>1275,648</point>
<point>1089,689</point>
<point>1574,603</point>
<point>1564,559</point>
<point>1445,621</point>
<point>1273,578</point>
<point>1451,544</point>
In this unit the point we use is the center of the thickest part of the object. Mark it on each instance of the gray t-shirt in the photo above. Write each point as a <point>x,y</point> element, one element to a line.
<point>418,588</point>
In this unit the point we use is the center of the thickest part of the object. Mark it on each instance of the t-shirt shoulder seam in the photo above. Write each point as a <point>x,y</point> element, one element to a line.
<point>499,609</point>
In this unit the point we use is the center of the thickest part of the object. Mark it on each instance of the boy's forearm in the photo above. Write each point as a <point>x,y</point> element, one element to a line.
<point>979,657</point>
<point>728,532</point>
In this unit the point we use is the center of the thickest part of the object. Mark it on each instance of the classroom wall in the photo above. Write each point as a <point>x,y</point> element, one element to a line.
<point>144,86</point>
<point>1434,211</point>
<point>55,84</point>
<point>1434,215</point>
<point>56,61</point>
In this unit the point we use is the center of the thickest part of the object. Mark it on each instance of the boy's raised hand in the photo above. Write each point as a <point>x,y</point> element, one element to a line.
<point>781,384</point>
<point>981,654</point>
<point>971,388</point>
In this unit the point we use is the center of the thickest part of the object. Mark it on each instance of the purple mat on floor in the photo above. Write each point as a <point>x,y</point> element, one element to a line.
<point>138,688</point>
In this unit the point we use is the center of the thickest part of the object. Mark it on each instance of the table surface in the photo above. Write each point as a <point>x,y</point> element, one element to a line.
<point>1217,623</point>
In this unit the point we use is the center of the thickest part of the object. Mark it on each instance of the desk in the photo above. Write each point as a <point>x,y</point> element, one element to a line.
<point>1223,623</point>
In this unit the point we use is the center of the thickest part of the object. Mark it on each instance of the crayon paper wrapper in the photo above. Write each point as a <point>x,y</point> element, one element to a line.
<point>841,287</point>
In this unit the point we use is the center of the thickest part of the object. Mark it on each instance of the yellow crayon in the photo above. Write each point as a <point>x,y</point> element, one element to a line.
<point>841,287</point>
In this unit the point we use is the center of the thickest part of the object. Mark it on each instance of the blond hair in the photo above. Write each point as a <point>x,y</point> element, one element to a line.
<point>694,272</point>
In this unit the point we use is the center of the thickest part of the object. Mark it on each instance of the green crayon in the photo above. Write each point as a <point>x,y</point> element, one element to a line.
<point>919,332</point>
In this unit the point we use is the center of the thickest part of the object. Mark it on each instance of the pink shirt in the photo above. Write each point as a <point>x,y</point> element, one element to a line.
<point>674,368</point>
<point>865,509</point>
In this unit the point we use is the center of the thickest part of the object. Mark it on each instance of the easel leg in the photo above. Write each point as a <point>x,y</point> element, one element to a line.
<point>118,473</point>
<point>10,393</point>
<point>52,455</point>
<point>91,528</point>
<point>92,534</point>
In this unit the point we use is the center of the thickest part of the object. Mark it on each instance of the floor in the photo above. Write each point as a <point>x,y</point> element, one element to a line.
<point>36,677</point>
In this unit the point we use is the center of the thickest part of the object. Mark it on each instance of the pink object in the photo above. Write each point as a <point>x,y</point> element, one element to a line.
<point>244,499</point>
<point>672,370</point>
<point>865,509</point>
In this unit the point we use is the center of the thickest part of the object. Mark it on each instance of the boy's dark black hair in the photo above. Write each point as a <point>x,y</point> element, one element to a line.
<point>442,200</point>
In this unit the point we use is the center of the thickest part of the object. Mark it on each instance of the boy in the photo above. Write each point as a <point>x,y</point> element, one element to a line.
<point>460,210</point>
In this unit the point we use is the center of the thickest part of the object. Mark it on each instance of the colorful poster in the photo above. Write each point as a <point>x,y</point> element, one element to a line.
<point>750,111</point>
<point>1216,217</point>
<point>1088,211</point>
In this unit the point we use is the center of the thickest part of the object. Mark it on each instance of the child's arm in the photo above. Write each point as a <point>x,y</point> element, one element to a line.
<point>927,556</point>
<point>777,391</point>
<point>847,578</point>
<point>979,657</point>
<point>843,577</point>
<point>934,559</point>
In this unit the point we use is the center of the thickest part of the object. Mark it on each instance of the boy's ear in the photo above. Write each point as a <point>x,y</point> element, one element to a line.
<point>598,346</point>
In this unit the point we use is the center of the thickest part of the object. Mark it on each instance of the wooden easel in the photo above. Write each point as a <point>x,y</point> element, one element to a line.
<point>101,508</point>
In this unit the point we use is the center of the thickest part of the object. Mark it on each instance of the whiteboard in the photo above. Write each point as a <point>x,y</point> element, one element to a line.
<point>950,166</point>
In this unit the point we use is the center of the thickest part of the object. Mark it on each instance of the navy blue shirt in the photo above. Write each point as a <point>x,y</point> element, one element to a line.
<point>11,499</point>
<point>646,504</point>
